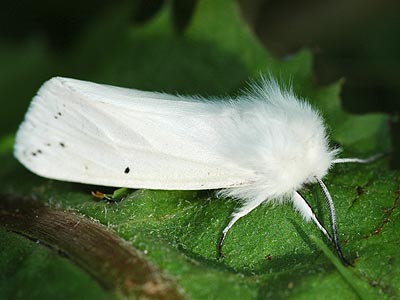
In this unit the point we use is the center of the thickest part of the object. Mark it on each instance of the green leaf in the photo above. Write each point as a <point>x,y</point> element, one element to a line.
<point>361,288</point>
<point>269,254</point>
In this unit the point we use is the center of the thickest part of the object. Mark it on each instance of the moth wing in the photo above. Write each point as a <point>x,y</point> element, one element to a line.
<point>97,134</point>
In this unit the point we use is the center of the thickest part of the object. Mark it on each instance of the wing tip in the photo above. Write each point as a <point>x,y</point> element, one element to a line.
<point>58,82</point>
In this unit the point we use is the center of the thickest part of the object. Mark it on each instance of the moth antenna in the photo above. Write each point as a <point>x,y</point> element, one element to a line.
<point>358,160</point>
<point>244,210</point>
<point>332,214</point>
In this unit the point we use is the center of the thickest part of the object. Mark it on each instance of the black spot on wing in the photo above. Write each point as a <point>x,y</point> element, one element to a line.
<point>35,153</point>
<point>127,170</point>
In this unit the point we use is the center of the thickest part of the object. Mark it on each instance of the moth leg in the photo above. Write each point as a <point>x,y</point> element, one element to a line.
<point>304,208</point>
<point>358,160</point>
<point>244,210</point>
<point>332,213</point>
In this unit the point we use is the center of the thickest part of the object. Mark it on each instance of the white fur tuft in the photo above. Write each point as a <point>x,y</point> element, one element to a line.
<point>281,138</point>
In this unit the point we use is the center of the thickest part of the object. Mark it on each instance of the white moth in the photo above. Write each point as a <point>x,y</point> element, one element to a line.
<point>260,147</point>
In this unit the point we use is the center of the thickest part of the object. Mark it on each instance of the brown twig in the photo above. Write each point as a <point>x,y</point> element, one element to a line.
<point>111,261</point>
